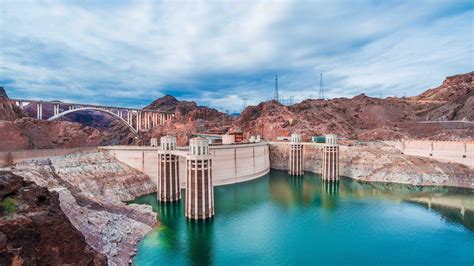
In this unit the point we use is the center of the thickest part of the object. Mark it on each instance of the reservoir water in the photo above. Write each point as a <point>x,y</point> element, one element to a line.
<point>283,220</point>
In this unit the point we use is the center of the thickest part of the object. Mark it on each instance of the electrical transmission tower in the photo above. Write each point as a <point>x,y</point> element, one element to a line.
<point>321,87</point>
<point>244,102</point>
<point>275,97</point>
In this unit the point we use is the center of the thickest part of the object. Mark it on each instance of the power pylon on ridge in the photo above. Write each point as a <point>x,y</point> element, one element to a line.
<point>244,102</point>
<point>321,87</point>
<point>275,97</point>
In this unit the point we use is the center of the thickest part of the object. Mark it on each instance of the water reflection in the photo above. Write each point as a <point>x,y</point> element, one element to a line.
<point>200,244</point>
<point>170,217</point>
<point>235,199</point>
<point>309,190</point>
<point>329,194</point>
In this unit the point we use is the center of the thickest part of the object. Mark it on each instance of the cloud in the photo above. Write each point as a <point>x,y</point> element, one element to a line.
<point>129,53</point>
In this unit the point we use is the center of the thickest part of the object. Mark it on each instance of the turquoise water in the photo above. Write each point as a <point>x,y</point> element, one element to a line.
<point>284,220</point>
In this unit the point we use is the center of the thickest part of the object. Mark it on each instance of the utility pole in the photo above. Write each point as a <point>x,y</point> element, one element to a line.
<point>276,89</point>
<point>321,87</point>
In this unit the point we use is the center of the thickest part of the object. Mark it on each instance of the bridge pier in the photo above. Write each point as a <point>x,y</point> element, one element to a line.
<point>39,110</point>
<point>330,171</point>
<point>139,123</point>
<point>148,121</point>
<point>199,188</point>
<point>296,156</point>
<point>55,109</point>
<point>20,104</point>
<point>168,171</point>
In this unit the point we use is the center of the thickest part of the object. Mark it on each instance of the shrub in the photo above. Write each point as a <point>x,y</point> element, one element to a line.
<point>9,205</point>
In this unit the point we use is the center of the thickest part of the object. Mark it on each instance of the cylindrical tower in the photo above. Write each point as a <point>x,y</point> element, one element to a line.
<point>330,171</point>
<point>199,188</point>
<point>168,170</point>
<point>296,156</point>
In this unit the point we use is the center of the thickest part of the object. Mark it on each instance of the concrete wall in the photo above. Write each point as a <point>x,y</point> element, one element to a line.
<point>24,155</point>
<point>230,164</point>
<point>444,151</point>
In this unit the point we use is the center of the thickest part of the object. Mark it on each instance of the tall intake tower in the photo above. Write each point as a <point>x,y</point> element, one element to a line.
<point>330,171</point>
<point>199,188</point>
<point>296,156</point>
<point>168,170</point>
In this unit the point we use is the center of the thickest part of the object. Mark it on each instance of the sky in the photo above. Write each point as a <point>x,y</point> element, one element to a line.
<point>128,53</point>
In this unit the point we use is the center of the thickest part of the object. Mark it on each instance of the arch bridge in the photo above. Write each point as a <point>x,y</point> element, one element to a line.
<point>135,119</point>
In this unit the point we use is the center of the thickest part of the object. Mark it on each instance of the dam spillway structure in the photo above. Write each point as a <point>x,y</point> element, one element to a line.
<point>330,166</point>
<point>199,187</point>
<point>295,160</point>
<point>168,171</point>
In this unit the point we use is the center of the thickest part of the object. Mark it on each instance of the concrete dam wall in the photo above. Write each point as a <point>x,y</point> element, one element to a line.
<point>230,164</point>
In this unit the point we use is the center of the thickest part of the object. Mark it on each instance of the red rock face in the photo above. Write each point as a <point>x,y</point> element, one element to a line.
<point>189,119</point>
<point>453,100</point>
<point>29,133</point>
<point>38,232</point>
<point>369,118</point>
<point>8,110</point>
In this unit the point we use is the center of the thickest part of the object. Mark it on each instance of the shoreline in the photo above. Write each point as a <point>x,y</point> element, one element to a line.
<point>94,188</point>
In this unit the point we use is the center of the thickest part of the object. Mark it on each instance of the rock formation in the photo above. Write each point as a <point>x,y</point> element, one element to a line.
<point>453,100</point>
<point>8,110</point>
<point>189,119</point>
<point>367,118</point>
<point>29,133</point>
<point>91,186</point>
<point>38,232</point>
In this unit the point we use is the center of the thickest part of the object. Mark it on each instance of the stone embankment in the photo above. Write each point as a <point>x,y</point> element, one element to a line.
<point>91,188</point>
<point>376,162</point>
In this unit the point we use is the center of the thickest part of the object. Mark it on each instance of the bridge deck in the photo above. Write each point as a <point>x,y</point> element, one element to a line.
<point>90,105</point>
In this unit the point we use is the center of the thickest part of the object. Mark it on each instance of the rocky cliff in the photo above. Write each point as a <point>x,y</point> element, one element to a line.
<point>368,118</point>
<point>29,133</point>
<point>189,119</point>
<point>376,162</point>
<point>91,186</point>
<point>453,100</point>
<point>8,110</point>
<point>36,231</point>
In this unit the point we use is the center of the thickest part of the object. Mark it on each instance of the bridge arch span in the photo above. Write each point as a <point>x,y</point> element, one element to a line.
<point>94,109</point>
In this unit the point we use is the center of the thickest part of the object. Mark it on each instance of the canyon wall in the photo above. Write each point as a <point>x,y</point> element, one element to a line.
<point>91,186</point>
<point>36,231</point>
<point>376,162</point>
